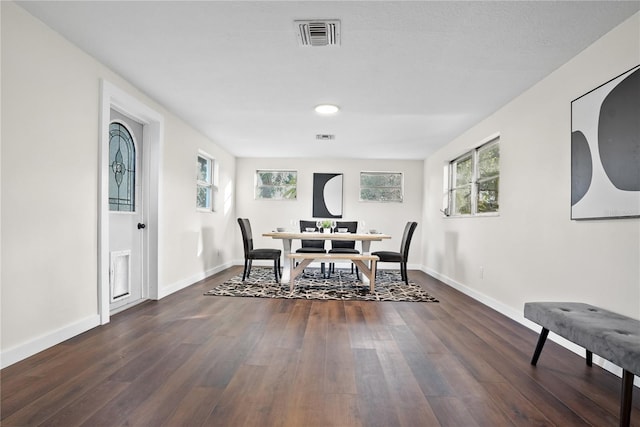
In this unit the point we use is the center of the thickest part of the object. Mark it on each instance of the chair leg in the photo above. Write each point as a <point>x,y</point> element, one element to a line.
<point>406,276</point>
<point>249,269</point>
<point>275,269</point>
<point>244,272</point>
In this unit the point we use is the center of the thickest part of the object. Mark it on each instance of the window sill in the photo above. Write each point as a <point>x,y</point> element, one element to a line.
<point>484,215</point>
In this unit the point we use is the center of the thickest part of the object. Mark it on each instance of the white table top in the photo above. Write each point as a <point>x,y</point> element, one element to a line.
<point>326,236</point>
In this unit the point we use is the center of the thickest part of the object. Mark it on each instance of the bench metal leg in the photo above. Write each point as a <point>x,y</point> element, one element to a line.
<point>541,340</point>
<point>626,398</point>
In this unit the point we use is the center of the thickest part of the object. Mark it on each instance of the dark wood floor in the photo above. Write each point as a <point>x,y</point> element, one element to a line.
<point>194,360</point>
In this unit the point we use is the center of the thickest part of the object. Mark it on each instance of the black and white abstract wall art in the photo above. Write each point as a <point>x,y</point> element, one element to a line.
<point>327,195</point>
<point>605,150</point>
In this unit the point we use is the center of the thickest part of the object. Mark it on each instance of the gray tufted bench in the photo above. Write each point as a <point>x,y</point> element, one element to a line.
<point>609,335</point>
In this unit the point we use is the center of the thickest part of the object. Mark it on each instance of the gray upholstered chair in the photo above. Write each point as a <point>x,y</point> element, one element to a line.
<point>250,253</point>
<point>400,257</point>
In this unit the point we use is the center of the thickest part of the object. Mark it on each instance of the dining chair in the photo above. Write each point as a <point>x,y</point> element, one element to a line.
<point>250,253</point>
<point>403,255</point>
<point>311,246</point>
<point>344,246</point>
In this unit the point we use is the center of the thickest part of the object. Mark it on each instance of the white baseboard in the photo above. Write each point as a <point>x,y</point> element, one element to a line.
<point>36,345</point>
<point>519,317</point>
<point>177,286</point>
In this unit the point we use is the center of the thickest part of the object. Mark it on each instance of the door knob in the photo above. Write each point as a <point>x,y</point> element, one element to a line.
<point>141,225</point>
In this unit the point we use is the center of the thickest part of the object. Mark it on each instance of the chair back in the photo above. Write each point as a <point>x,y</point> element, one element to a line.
<point>247,236</point>
<point>310,243</point>
<point>352,227</point>
<point>406,239</point>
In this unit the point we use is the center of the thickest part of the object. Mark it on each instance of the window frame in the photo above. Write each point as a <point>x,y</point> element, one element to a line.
<point>378,200</point>
<point>210,184</point>
<point>478,179</point>
<point>257,195</point>
<point>474,183</point>
<point>453,187</point>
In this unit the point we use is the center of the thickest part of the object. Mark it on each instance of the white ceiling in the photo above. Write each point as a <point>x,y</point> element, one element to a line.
<point>409,75</point>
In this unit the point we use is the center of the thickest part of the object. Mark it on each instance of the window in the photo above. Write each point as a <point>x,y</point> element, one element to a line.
<point>461,178</point>
<point>122,169</point>
<point>205,182</point>
<point>474,178</point>
<point>381,187</point>
<point>276,185</point>
<point>488,178</point>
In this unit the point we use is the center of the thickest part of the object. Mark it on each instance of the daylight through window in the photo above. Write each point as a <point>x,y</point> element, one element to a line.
<point>474,178</point>
<point>276,184</point>
<point>381,187</point>
<point>205,182</point>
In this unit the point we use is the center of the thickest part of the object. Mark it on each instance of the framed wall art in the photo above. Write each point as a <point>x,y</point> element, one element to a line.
<point>605,150</point>
<point>327,195</point>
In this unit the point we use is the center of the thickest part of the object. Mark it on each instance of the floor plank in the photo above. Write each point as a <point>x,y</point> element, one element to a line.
<point>195,360</point>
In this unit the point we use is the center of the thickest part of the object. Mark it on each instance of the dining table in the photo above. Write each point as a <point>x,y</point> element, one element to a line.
<point>287,238</point>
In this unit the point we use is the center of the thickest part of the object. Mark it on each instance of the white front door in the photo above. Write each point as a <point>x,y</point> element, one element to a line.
<point>126,213</point>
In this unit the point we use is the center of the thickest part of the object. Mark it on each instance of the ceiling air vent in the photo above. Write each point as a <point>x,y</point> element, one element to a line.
<point>318,32</point>
<point>325,137</point>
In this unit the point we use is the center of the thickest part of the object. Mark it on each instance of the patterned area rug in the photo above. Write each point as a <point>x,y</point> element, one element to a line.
<point>342,285</point>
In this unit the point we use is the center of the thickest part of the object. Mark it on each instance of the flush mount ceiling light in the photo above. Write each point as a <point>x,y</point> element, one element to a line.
<point>326,109</point>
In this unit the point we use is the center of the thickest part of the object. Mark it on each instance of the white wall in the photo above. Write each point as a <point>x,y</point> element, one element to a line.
<point>195,244</point>
<point>389,218</point>
<point>50,132</point>
<point>533,251</point>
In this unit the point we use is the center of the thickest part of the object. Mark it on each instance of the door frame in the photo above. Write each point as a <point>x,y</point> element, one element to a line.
<point>153,136</point>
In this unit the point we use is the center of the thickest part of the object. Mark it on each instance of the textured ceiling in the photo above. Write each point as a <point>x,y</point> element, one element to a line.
<point>409,75</point>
